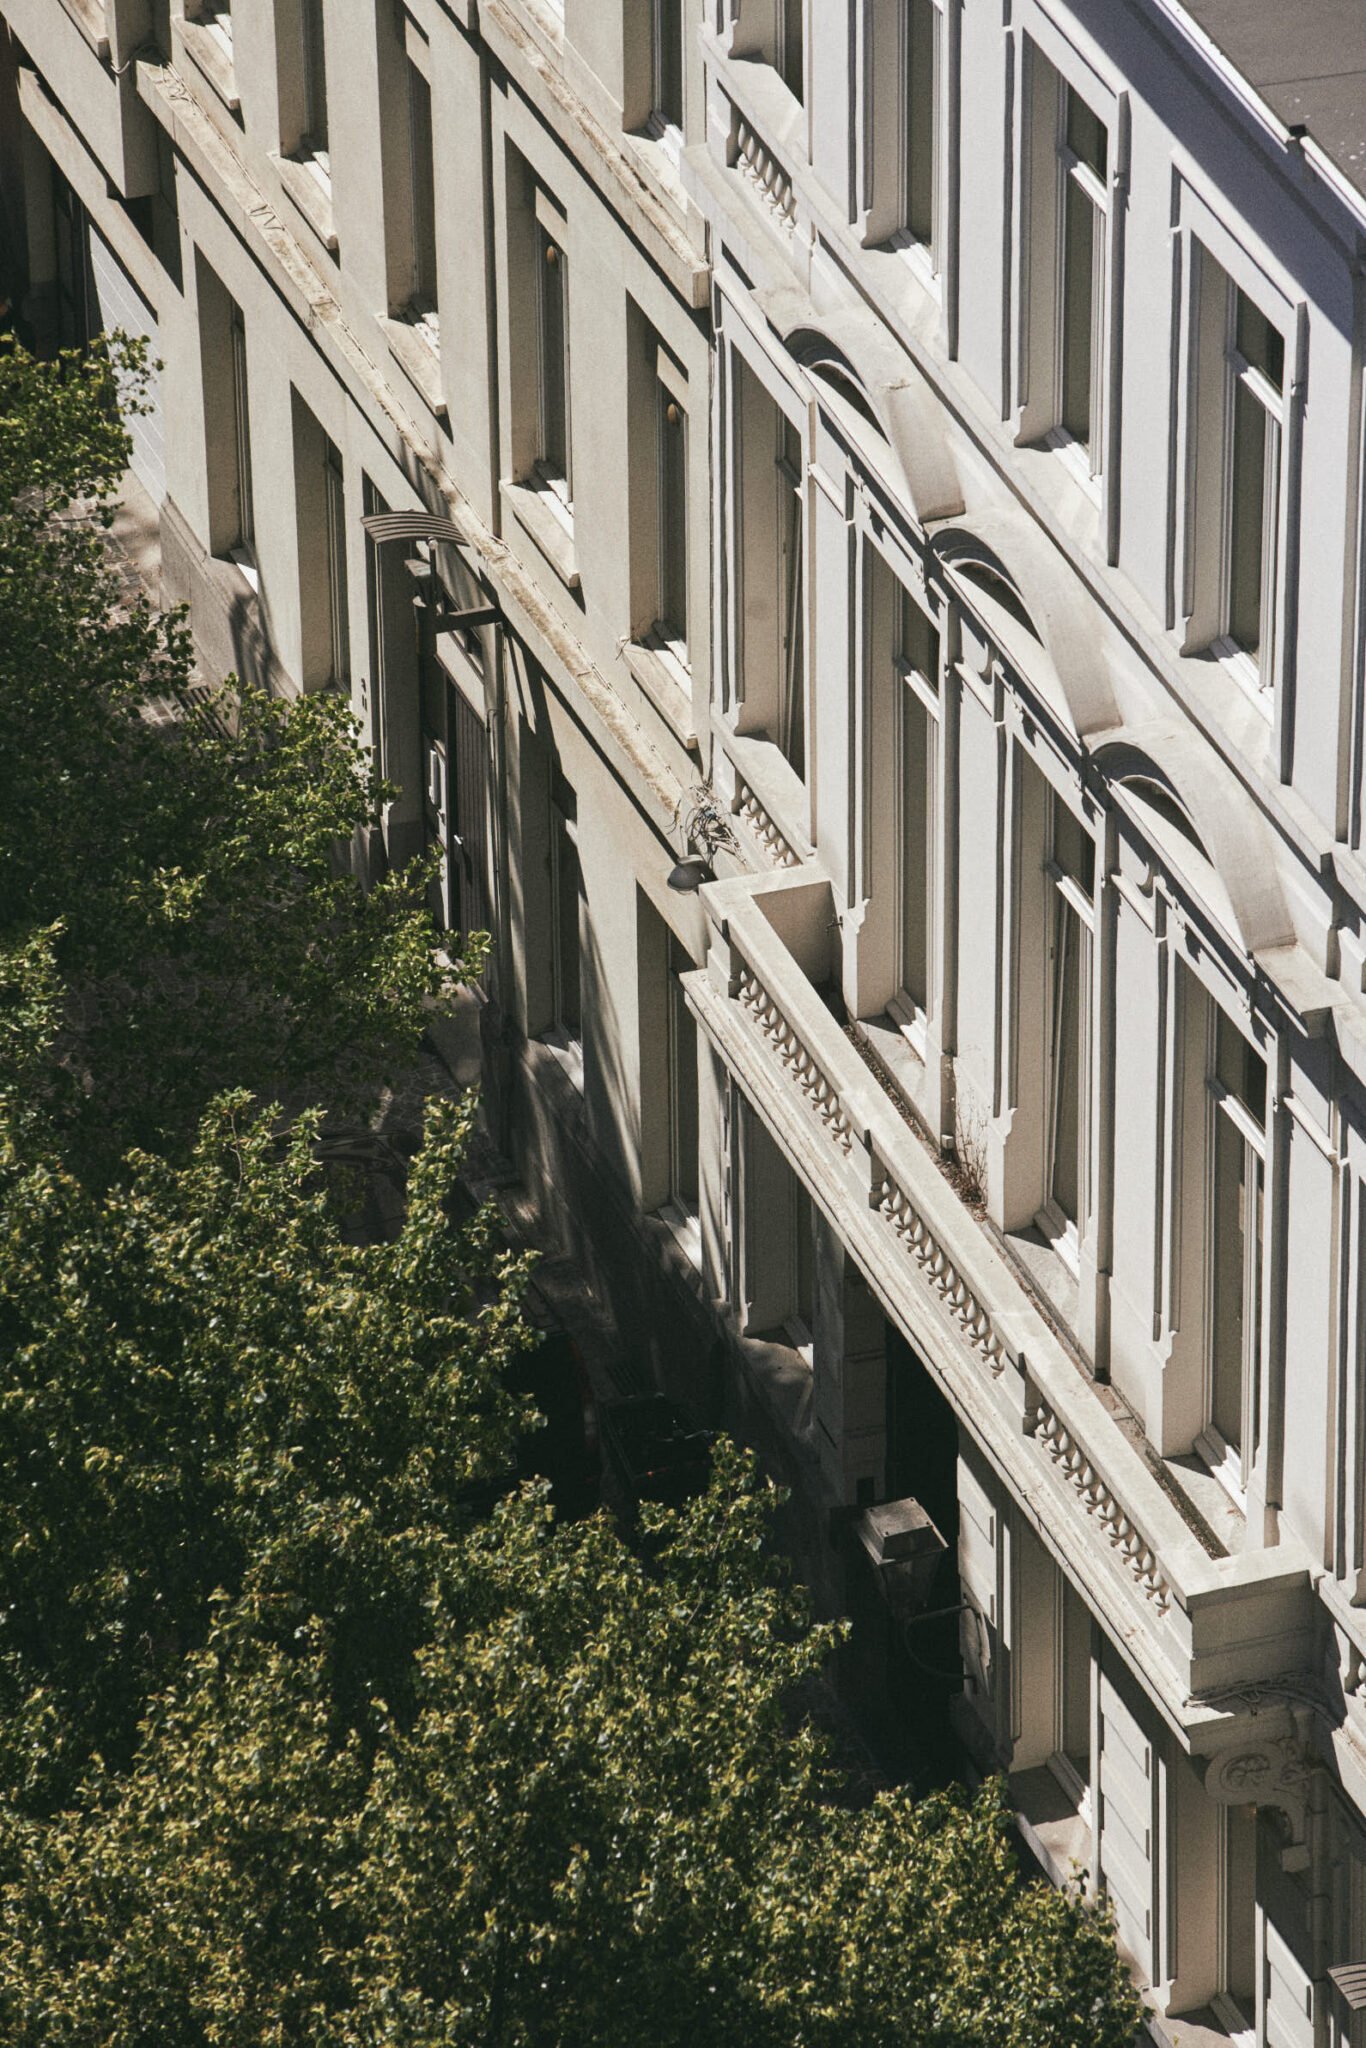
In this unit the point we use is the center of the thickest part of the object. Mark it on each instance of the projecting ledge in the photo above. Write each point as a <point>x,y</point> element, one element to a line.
<point>1194,1624</point>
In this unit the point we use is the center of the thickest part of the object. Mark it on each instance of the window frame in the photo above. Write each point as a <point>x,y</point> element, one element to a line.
<point>668,71</point>
<point>425,300</point>
<point>1057,176</point>
<point>672,552</point>
<point>916,694</point>
<point>243,485</point>
<point>1067,904</point>
<point>554,464</point>
<point>1231,1462</point>
<point>338,584</point>
<point>909,234</point>
<point>565,869</point>
<point>1246,380</point>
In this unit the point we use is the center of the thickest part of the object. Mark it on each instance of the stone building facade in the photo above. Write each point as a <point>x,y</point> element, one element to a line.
<point>918,445</point>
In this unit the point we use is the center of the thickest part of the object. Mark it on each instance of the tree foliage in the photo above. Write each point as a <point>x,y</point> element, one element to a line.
<point>205,927</point>
<point>298,1743</point>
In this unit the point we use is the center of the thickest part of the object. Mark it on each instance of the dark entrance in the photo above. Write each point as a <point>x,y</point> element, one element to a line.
<point>924,1670</point>
<point>455,801</point>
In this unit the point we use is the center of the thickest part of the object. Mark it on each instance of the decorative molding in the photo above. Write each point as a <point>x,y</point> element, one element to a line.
<point>1053,1436</point>
<point>1273,1770</point>
<point>821,1093</point>
<point>895,1205</point>
<point>761,828</point>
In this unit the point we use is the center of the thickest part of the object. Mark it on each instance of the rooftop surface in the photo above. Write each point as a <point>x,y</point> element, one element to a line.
<point>1307,59</point>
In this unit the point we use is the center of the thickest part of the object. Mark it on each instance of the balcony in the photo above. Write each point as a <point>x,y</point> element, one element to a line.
<point>1196,1625</point>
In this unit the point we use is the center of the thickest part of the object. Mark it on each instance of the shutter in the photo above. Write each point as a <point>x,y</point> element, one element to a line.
<point>1127,1820</point>
<point>119,303</point>
<point>1288,1994</point>
<point>979,1571</point>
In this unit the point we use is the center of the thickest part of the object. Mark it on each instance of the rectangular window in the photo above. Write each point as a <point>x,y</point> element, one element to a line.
<point>1065,271</point>
<point>791,49</point>
<point>334,523</point>
<point>1256,379</point>
<point>917,670</point>
<point>553,452</point>
<point>671,436</point>
<point>666,99</point>
<point>921,128</point>
<point>566,892</point>
<point>1235,455</point>
<point>313,139</point>
<point>682,1052</point>
<point>241,430</point>
<point>1070,866</point>
<point>791,548</point>
<point>1237,1091</point>
<point>1083,161</point>
<point>422,181</point>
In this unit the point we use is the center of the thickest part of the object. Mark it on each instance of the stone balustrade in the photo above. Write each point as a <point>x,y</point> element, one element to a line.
<point>1200,1623</point>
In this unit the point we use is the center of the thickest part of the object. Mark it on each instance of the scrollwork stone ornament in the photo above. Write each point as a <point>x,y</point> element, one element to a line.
<point>1270,1770</point>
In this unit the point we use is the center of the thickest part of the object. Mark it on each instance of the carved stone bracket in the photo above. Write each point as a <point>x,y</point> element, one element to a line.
<point>1267,1770</point>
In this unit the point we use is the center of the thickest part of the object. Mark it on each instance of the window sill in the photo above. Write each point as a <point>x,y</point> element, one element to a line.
<point>568,1055</point>
<point>311,191</point>
<point>685,1228</point>
<point>1054,1827</point>
<point>548,526</point>
<point>213,60</point>
<point>89,17</point>
<point>667,684</point>
<point>417,353</point>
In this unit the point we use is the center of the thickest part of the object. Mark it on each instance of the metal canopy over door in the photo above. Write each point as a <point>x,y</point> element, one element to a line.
<point>455,801</point>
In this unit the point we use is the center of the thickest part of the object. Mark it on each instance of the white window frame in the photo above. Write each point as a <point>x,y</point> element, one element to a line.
<point>548,243</point>
<point>1054,175</point>
<point>315,132</point>
<point>683,1205</point>
<point>673,556</point>
<point>1232,1463</point>
<point>1067,900</point>
<point>564,1032</point>
<point>338,584</point>
<point>1246,379</point>
<point>929,247</point>
<point>668,25</point>
<point>788,14</point>
<point>916,694</point>
<point>244,551</point>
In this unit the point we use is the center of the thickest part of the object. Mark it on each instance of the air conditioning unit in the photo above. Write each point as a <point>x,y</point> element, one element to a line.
<point>904,1547</point>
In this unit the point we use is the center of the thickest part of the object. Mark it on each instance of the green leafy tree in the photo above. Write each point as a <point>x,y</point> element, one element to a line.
<point>592,1824</point>
<point>205,928</point>
<point>207,1387</point>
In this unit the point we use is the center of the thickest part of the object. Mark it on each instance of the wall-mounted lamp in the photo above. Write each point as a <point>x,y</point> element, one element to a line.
<point>705,826</point>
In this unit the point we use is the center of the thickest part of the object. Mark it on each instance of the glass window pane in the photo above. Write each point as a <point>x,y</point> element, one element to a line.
<point>554,449</point>
<point>922,113</point>
<point>1233,1222</point>
<point>668,93</point>
<point>915,848</point>
<point>1240,1068</point>
<point>1078,310</point>
<point>1259,343</point>
<point>314,138</point>
<point>919,642</point>
<point>424,196</point>
<point>793,52</point>
<point>1074,850</point>
<point>683,1125</point>
<point>1246,524</point>
<point>673,518</point>
<point>1067,1062</point>
<point>565,883</point>
<point>1086,135</point>
<point>792,681</point>
<point>1076,1682</point>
